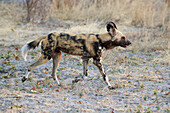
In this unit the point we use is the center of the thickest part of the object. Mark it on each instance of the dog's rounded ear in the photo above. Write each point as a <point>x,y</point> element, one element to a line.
<point>111,25</point>
<point>111,28</point>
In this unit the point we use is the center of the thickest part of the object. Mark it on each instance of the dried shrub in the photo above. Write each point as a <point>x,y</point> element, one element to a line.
<point>37,10</point>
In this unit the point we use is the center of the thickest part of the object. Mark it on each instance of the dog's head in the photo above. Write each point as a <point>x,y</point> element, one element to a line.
<point>118,39</point>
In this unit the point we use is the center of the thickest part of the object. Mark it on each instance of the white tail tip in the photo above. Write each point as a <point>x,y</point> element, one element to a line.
<point>24,51</point>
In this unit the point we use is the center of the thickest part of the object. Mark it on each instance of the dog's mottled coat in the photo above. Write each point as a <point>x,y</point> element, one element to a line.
<point>85,45</point>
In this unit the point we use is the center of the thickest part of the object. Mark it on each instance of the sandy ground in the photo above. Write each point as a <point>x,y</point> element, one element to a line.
<point>142,84</point>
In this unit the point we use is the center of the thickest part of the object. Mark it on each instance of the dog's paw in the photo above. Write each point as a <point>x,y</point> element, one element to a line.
<point>84,77</point>
<point>76,80</point>
<point>24,79</point>
<point>111,87</point>
<point>59,84</point>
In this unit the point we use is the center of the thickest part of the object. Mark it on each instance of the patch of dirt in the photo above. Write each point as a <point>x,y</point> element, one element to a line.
<point>142,84</point>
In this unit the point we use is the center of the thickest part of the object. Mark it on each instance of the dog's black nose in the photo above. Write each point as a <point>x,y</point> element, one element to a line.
<point>128,42</point>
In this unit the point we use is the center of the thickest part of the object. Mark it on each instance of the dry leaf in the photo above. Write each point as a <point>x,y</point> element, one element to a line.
<point>153,103</point>
<point>33,88</point>
<point>79,102</point>
<point>57,90</point>
<point>50,86</point>
<point>112,111</point>
<point>168,93</point>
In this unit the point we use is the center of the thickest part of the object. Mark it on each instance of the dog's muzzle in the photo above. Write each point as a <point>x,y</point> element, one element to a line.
<point>127,43</point>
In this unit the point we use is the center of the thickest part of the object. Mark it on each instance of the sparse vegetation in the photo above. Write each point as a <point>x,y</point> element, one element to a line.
<point>139,73</point>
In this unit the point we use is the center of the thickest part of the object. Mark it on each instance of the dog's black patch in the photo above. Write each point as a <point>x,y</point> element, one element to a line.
<point>63,34</point>
<point>73,38</point>
<point>100,41</point>
<point>50,35</point>
<point>33,44</point>
<point>96,48</point>
<point>24,79</point>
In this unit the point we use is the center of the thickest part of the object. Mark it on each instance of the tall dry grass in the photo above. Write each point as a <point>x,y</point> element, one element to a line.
<point>149,13</point>
<point>11,14</point>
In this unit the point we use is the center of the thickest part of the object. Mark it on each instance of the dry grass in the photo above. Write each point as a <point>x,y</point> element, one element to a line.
<point>11,14</point>
<point>136,12</point>
<point>152,13</point>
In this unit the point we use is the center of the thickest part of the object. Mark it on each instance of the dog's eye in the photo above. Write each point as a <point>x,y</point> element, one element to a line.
<point>123,37</point>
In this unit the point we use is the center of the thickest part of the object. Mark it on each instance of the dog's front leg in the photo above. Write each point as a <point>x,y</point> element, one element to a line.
<point>85,66</point>
<point>97,62</point>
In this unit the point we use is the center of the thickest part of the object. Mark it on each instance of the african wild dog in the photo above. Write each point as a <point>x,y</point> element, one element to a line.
<point>85,45</point>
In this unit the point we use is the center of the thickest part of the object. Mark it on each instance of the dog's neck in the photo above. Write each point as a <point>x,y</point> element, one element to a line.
<point>106,41</point>
<point>105,37</point>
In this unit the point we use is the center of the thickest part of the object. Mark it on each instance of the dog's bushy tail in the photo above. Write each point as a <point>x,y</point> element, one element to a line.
<point>31,45</point>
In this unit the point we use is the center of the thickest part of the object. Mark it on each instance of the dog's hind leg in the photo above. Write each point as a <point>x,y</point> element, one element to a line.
<point>56,61</point>
<point>40,61</point>
<point>85,66</point>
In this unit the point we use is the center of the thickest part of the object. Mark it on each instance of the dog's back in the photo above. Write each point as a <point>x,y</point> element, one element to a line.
<point>81,44</point>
